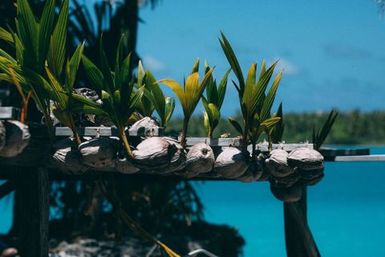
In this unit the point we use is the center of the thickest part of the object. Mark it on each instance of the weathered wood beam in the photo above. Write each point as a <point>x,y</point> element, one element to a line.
<point>361,158</point>
<point>298,237</point>
<point>103,131</point>
<point>9,113</point>
<point>32,213</point>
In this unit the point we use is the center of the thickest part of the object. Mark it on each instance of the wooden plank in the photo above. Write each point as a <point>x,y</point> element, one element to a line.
<point>361,158</point>
<point>263,147</point>
<point>103,131</point>
<point>9,113</point>
<point>329,153</point>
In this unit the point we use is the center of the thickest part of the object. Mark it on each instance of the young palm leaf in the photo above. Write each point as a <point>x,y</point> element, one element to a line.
<point>164,105</point>
<point>321,134</point>
<point>189,95</point>
<point>37,42</point>
<point>279,128</point>
<point>118,94</point>
<point>213,101</point>
<point>255,103</point>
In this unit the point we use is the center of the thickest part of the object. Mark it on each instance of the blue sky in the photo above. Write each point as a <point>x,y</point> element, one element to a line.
<point>333,52</point>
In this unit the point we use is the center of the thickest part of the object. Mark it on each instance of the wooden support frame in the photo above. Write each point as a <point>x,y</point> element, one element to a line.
<point>31,214</point>
<point>32,185</point>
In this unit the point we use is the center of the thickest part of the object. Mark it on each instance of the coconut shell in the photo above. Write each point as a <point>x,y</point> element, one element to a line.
<point>200,159</point>
<point>145,127</point>
<point>16,138</point>
<point>305,159</point>
<point>99,153</point>
<point>161,155</point>
<point>253,173</point>
<point>287,195</point>
<point>277,164</point>
<point>231,163</point>
<point>287,181</point>
<point>67,158</point>
<point>123,165</point>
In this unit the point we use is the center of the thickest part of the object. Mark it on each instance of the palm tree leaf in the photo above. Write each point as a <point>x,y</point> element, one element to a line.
<point>73,67</point>
<point>270,122</point>
<point>222,88</point>
<point>57,48</point>
<point>169,110</point>
<point>263,81</point>
<point>236,125</point>
<point>57,90</point>
<point>191,91</point>
<point>46,27</point>
<point>269,100</point>
<point>93,73</point>
<point>195,67</point>
<point>233,61</point>
<point>6,35</point>
<point>28,28</point>
<point>176,88</point>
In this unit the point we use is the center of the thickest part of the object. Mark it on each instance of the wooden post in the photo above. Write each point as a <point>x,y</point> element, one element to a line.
<point>299,239</point>
<point>32,212</point>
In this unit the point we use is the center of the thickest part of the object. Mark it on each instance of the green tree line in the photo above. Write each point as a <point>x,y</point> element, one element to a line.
<point>351,127</point>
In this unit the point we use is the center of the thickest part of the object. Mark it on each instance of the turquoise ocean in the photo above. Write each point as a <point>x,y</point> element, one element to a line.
<point>346,211</point>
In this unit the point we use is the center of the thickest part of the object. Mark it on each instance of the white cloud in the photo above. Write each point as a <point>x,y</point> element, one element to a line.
<point>153,64</point>
<point>287,66</point>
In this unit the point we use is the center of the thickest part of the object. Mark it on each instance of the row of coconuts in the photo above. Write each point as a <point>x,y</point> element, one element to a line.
<point>287,172</point>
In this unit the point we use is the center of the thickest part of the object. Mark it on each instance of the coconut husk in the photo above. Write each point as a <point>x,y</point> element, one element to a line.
<point>2,135</point>
<point>231,163</point>
<point>200,159</point>
<point>100,153</point>
<point>67,158</point>
<point>123,165</point>
<point>287,181</point>
<point>145,127</point>
<point>253,173</point>
<point>277,164</point>
<point>161,155</point>
<point>16,138</point>
<point>289,194</point>
<point>305,159</point>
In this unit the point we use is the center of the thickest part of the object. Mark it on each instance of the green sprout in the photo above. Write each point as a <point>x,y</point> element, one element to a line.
<point>189,94</point>
<point>38,43</point>
<point>119,99</point>
<point>321,134</point>
<point>153,97</point>
<point>277,132</point>
<point>213,101</point>
<point>255,103</point>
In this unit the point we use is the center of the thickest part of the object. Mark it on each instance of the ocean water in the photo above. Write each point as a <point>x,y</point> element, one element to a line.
<point>346,211</point>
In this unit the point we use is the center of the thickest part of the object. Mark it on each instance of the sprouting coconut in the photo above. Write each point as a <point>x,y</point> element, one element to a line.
<point>16,138</point>
<point>160,155</point>
<point>308,163</point>
<point>200,159</point>
<point>277,163</point>
<point>125,166</point>
<point>67,158</point>
<point>99,153</point>
<point>231,163</point>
